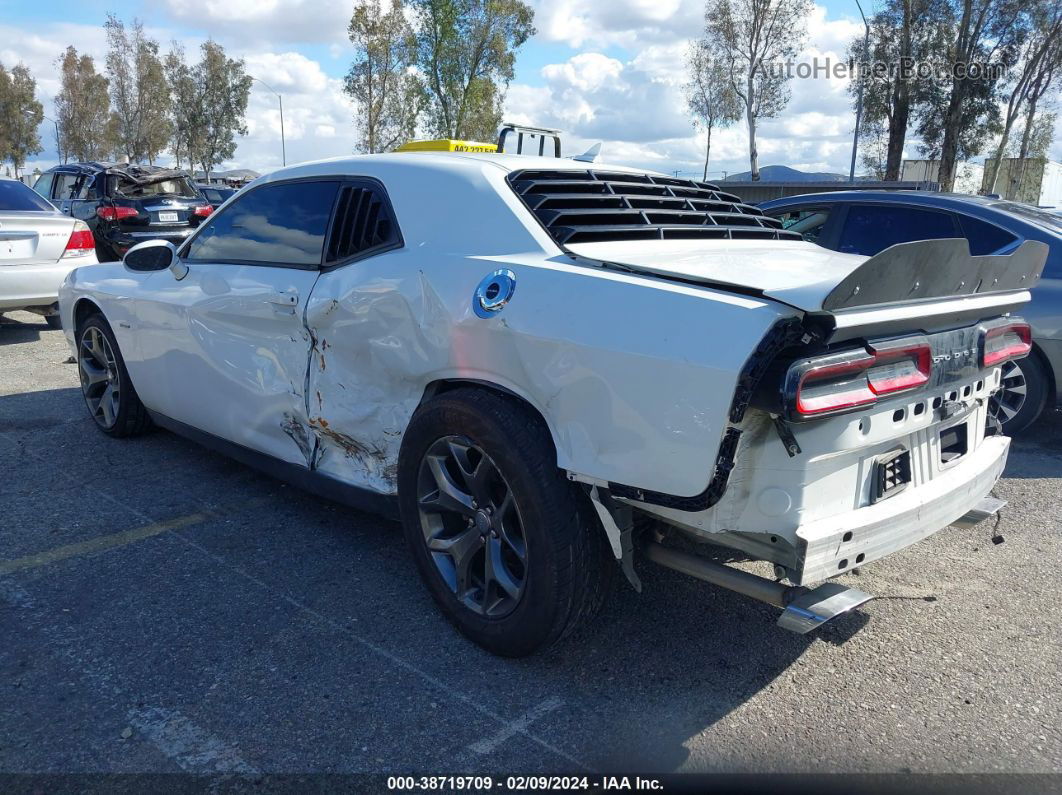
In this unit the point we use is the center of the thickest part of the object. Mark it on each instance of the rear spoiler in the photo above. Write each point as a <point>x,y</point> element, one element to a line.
<point>927,269</point>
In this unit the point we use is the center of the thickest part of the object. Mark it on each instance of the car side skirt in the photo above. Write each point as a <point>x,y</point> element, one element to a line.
<point>385,505</point>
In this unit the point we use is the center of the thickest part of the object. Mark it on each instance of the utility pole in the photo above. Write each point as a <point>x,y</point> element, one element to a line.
<point>859,94</point>
<point>58,147</point>
<point>280,102</point>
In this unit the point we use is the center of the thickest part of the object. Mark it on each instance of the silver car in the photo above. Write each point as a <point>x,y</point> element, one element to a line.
<point>39,246</point>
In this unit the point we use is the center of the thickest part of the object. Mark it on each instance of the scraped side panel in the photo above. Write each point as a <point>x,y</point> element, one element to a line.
<point>633,376</point>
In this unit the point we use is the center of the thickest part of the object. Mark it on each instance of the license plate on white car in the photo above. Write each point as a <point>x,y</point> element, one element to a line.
<point>168,218</point>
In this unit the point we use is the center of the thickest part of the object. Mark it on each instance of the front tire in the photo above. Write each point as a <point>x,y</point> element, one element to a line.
<point>508,548</point>
<point>1022,395</point>
<point>105,384</point>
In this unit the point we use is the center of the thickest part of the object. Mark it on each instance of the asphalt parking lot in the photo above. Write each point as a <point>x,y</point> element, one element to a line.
<point>164,609</point>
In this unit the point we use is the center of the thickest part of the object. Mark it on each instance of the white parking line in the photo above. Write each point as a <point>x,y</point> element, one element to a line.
<point>368,644</point>
<point>193,749</point>
<point>518,726</point>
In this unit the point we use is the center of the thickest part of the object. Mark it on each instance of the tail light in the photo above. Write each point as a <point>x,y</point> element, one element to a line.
<point>203,210</point>
<point>81,242</point>
<point>1008,340</point>
<point>840,382</point>
<point>112,213</point>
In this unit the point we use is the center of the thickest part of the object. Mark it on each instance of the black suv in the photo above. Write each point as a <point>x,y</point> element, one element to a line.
<point>126,204</point>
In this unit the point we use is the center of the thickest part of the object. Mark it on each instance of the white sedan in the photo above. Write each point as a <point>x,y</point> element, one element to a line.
<point>39,246</point>
<point>518,356</point>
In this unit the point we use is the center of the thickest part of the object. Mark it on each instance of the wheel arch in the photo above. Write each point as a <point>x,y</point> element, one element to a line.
<point>442,385</point>
<point>83,309</point>
<point>1049,374</point>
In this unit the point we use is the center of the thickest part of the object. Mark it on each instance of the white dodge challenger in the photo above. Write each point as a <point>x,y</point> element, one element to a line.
<point>540,365</point>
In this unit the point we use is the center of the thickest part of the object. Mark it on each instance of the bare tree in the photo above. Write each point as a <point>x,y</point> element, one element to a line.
<point>985,33</point>
<point>753,38</point>
<point>381,79</point>
<point>710,95</point>
<point>82,107</point>
<point>1039,59</point>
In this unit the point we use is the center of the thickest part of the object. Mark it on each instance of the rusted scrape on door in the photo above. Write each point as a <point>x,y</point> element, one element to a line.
<point>370,458</point>
<point>298,433</point>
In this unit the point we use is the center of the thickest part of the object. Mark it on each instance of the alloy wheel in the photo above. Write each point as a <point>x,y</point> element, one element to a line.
<point>100,380</point>
<point>1005,404</point>
<point>472,526</point>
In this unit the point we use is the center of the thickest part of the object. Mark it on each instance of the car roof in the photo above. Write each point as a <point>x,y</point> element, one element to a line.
<point>1014,215</point>
<point>352,164</point>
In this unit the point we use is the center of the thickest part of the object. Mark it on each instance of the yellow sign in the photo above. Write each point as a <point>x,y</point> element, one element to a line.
<point>446,145</point>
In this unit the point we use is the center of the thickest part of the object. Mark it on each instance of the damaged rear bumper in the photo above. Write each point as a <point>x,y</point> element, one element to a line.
<point>833,545</point>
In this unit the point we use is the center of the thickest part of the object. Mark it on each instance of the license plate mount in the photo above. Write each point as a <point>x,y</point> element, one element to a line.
<point>168,218</point>
<point>954,442</point>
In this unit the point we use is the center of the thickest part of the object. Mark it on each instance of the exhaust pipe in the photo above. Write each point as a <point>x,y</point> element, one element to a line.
<point>803,609</point>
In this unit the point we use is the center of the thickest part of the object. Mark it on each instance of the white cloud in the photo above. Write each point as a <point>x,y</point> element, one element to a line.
<point>269,22</point>
<point>626,23</point>
<point>638,107</point>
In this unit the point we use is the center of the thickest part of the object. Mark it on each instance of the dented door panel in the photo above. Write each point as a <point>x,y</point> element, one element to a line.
<point>225,351</point>
<point>580,346</point>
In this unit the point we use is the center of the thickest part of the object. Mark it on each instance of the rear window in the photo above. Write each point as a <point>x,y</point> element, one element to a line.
<point>984,238</point>
<point>178,186</point>
<point>870,229</point>
<point>16,196</point>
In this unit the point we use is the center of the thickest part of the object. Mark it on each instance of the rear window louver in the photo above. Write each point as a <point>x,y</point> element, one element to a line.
<point>598,206</point>
<point>362,222</point>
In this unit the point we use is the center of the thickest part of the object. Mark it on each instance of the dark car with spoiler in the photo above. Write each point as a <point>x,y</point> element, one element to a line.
<point>126,204</point>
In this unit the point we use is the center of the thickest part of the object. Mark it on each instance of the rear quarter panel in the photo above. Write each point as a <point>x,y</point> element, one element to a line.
<point>634,375</point>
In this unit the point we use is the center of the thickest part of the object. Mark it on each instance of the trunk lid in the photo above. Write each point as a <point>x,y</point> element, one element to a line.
<point>31,238</point>
<point>907,279</point>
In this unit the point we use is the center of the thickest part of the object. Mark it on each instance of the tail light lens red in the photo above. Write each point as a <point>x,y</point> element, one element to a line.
<point>840,382</point>
<point>81,242</point>
<point>1009,340</point>
<point>112,213</point>
<point>203,210</point>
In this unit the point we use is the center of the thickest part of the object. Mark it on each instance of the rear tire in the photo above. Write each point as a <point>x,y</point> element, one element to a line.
<point>1022,396</point>
<point>54,321</point>
<point>509,549</point>
<point>105,384</point>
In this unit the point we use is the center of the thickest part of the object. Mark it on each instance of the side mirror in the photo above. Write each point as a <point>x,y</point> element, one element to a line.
<point>155,255</point>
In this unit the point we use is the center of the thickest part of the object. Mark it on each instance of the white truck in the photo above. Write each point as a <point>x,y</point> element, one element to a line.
<point>521,357</point>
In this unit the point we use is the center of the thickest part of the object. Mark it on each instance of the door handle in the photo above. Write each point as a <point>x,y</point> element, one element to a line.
<point>287,300</point>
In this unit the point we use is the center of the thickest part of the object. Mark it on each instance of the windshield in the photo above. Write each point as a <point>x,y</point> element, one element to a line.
<point>16,196</point>
<point>1034,214</point>
<point>176,186</point>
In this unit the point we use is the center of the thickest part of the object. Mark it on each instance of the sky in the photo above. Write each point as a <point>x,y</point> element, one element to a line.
<point>600,71</point>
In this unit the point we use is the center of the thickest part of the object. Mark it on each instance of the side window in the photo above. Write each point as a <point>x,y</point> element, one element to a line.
<point>869,229</point>
<point>808,221</point>
<point>984,238</point>
<point>66,186</point>
<point>364,223</point>
<point>43,185</point>
<point>282,224</point>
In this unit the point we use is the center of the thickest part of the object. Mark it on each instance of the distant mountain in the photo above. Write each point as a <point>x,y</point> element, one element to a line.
<point>787,174</point>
